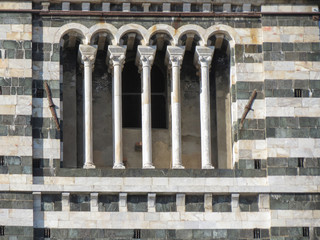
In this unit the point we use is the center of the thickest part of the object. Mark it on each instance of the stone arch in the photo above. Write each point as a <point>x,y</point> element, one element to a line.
<point>103,27</point>
<point>132,28</point>
<point>232,37</point>
<point>224,29</point>
<point>160,28</point>
<point>72,27</point>
<point>190,28</point>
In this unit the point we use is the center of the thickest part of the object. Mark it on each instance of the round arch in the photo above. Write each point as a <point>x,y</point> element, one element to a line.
<point>72,27</point>
<point>132,28</point>
<point>103,27</point>
<point>160,28</point>
<point>190,28</point>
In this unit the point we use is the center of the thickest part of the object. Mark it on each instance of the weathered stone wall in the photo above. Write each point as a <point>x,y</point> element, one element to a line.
<point>273,186</point>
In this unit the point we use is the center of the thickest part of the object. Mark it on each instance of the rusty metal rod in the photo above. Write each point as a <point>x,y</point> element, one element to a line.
<point>51,105</point>
<point>247,108</point>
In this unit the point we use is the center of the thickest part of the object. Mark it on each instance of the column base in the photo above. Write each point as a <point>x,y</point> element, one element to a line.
<point>89,166</point>
<point>118,166</point>
<point>208,167</point>
<point>148,167</point>
<point>178,167</point>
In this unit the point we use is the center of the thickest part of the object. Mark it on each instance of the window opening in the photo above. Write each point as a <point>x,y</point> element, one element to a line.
<point>305,231</point>
<point>300,162</point>
<point>297,93</point>
<point>2,161</point>
<point>257,164</point>
<point>137,233</point>
<point>256,233</point>
<point>1,230</point>
<point>46,233</point>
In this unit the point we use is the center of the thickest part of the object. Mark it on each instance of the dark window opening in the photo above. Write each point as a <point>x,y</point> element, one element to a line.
<point>36,163</point>
<point>136,234</point>
<point>46,233</point>
<point>131,97</point>
<point>2,162</point>
<point>39,93</point>
<point>297,93</point>
<point>1,230</point>
<point>0,90</point>
<point>305,231</point>
<point>300,162</point>
<point>256,233</point>
<point>257,164</point>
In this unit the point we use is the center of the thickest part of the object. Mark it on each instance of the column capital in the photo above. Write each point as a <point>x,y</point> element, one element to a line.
<point>174,55</point>
<point>203,55</point>
<point>117,55</point>
<point>88,53</point>
<point>145,56</point>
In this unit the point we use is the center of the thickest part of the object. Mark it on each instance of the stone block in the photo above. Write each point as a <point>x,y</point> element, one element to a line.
<point>108,203</point>
<point>246,7</point>
<point>137,203</point>
<point>206,7</point>
<point>181,202</point>
<point>166,203</point>
<point>106,7</point>
<point>65,6</point>
<point>194,203</point>
<point>186,7</point>
<point>226,7</point>
<point>126,7</point>
<point>166,7</point>
<point>85,6</point>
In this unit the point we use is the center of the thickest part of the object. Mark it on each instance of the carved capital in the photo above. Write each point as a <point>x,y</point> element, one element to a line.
<point>116,55</point>
<point>88,53</point>
<point>145,56</point>
<point>174,56</point>
<point>203,56</point>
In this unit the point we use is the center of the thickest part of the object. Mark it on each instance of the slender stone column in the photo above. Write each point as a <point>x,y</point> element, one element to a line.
<point>203,57</point>
<point>145,57</point>
<point>88,56</point>
<point>175,56</point>
<point>117,57</point>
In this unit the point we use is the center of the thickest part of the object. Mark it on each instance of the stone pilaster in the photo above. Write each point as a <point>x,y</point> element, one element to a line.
<point>65,202</point>
<point>123,202</point>
<point>94,202</point>
<point>151,202</point>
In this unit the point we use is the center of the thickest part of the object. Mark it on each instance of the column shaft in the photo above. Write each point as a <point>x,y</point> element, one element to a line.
<point>145,59</point>
<point>175,56</point>
<point>117,117</point>
<point>176,116</point>
<point>88,139</point>
<point>203,57</point>
<point>146,116</point>
<point>205,116</point>
<point>88,57</point>
<point>117,56</point>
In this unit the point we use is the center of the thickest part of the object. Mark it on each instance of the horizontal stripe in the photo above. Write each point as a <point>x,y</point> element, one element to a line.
<point>292,107</point>
<point>292,56</point>
<point>293,147</point>
<point>285,21</point>
<point>44,70</point>
<point>188,233</point>
<point>16,217</point>
<point>15,146</point>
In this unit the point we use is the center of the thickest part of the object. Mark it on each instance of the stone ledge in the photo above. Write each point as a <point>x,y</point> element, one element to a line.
<point>77,172</point>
